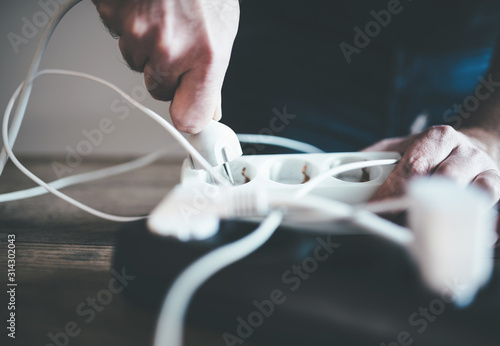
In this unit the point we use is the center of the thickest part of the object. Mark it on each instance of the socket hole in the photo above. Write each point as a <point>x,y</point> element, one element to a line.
<point>293,171</point>
<point>242,173</point>
<point>362,175</point>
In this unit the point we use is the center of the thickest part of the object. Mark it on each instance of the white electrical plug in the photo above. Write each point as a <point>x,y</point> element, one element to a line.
<point>193,212</point>
<point>218,144</point>
<point>453,235</point>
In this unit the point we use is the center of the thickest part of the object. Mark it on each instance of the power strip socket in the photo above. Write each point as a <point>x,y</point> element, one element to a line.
<point>288,172</point>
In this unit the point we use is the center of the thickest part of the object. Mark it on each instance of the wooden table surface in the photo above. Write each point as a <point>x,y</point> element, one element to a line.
<point>63,255</point>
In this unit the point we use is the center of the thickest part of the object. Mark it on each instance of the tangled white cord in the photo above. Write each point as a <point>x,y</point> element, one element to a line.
<point>165,124</point>
<point>84,177</point>
<point>170,323</point>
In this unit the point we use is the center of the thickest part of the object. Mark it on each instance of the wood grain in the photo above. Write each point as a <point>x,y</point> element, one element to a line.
<point>63,255</point>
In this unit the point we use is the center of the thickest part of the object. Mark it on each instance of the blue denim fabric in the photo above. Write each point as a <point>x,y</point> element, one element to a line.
<point>287,56</point>
<point>432,83</point>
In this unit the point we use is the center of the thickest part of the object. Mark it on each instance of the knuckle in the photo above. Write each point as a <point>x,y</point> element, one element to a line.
<point>473,151</point>
<point>441,132</point>
<point>415,165</point>
<point>160,82</point>
<point>476,153</point>
<point>135,58</point>
<point>161,94</point>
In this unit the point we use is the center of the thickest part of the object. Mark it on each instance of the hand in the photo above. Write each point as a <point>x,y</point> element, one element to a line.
<point>469,156</point>
<point>182,46</point>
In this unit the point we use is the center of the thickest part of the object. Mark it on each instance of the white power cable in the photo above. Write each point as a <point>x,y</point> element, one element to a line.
<point>343,211</point>
<point>30,75</point>
<point>165,124</point>
<point>40,182</point>
<point>382,227</point>
<point>387,205</point>
<point>279,142</point>
<point>84,177</point>
<point>367,220</point>
<point>169,328</point>
<point>311,184</point>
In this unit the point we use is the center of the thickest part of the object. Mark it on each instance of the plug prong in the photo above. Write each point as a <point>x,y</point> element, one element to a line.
<point>228,172</point>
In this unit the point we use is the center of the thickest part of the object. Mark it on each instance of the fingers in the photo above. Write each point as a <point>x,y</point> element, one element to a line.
<point>195,101</point>
<point>441,150</point>
<point>161,82</point>
<point>135,57</point>
<point>140,51</point>
<point>182,49</point>
<point>489,180</point>
<point>469,165</point>
<point>195,94</point>
<point>463,165</point>
<point>422,156</point>
<point>138,39</point>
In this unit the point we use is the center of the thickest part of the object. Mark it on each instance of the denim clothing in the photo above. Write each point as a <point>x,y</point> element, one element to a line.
<point>287,59</point>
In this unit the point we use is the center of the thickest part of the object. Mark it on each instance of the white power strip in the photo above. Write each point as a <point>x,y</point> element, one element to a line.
<point>288,172</point>
<point>439,212</point>
<point>193,209</point>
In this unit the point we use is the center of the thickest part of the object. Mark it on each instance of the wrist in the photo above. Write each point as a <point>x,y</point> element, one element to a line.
<point>485,140</point>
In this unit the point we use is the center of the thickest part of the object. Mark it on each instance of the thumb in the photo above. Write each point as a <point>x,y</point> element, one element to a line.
<point>195,101</point>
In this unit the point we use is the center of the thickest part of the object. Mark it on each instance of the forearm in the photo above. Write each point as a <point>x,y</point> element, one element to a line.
<point>487,93</point>
<point>483,125</point>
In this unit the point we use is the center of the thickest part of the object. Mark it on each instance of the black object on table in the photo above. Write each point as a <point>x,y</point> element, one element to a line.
<point>363,290</point>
